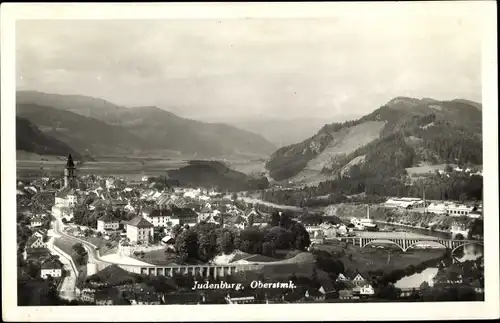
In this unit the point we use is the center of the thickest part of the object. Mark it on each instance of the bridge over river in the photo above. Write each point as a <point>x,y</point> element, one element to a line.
<point>405,240</point>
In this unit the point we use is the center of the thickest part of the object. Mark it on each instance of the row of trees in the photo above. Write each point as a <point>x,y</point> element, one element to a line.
<point>456,186</point>
<point>205,240</point>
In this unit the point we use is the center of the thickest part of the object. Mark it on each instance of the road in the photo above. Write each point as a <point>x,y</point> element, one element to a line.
<point>92,252</point>
<point>68,285</point>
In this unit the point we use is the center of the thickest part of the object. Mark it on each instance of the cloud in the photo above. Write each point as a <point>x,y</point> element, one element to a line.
<point>288,67</point>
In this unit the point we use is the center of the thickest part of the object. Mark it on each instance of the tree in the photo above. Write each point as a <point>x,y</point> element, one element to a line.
<point>250,220</point>
<point>275,219</point>
<point>285,221</point>
<point>225,242</point>
<point>268,248</point>
<point>186,245</point>
<point>176,230</point>
<point>425,285</point>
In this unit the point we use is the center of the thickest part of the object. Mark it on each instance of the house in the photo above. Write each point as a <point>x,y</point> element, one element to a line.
<point>459,210</point>
<point>139,230</point>
<point>164,201</point>
<point>160,218</point>
<point>87,295</point>
<point>327,288</point>
<point>314,294</point>
<point>66,197</point>
<point>358,280</point>
<point>239,222</point>
<point>341,277</point>
<point>145,298</point>
<point>51,268</point>
<point>185,215</point>
<point>240,298</point>
<point>367,290</point>
<point>345,294</point>
<point>204,213</point>
<point>36,221</point>
<point>107,223</point>
<point>252,212</point>
<point>129,208</point>
<point>105,296</point>
<point>35,241</point>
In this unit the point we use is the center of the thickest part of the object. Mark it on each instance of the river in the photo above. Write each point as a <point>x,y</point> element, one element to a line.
<point>471,252</point>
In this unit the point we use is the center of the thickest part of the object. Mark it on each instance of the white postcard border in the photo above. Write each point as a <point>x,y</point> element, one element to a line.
<point>282,312</point>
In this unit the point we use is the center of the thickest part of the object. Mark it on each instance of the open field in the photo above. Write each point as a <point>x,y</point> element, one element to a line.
<point>157,257</point>
<point>34,166</point>
<point>248,167</point>
<point>134,170</point>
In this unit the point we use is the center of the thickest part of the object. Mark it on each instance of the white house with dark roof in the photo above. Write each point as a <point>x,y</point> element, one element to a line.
<point>107,223</point>
<point>341,277</point>
<point>161,218</point>
<point>51,268</point>
<point>36,221</point>
<point>367,290</point>
<point>36,241</point>
<point>139,230</point>
<point>359,280</point>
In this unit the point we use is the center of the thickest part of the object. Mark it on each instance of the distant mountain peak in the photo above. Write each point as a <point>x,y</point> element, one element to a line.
<point>404,100</point>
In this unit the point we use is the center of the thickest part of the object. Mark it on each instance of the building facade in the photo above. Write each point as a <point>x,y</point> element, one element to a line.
<point>139,230</point>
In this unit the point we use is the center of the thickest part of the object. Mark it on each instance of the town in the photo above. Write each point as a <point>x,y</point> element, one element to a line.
<point>107,240</point>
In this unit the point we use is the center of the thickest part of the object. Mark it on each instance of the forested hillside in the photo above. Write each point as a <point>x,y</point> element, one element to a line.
<point>215,174</point>
<point>414,131</point>
<point>30,139</point>
<point>105,129</point>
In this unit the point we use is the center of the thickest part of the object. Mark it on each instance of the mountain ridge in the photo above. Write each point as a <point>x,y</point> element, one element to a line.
<point>31,139</point>
<point>146,130</point>
<point>449,131</point>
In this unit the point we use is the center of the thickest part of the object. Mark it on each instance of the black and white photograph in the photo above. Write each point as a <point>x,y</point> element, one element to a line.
<point>182,154</point>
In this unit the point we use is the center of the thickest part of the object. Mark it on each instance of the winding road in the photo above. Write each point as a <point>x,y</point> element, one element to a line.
<point>91,249</point>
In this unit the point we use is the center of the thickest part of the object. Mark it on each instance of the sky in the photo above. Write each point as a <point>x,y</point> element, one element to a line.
<point>291,68</point>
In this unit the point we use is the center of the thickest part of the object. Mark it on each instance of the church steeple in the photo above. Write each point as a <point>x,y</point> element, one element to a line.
<point>69,162</point>
<point>69,173</point>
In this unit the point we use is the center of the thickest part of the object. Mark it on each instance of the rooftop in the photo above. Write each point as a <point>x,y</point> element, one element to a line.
<point>140,222</point>
<point>51,265</point>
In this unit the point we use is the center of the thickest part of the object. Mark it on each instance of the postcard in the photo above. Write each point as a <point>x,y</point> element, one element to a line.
<point>307,161</point>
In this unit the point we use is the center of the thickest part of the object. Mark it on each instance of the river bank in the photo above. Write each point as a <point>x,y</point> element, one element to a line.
<point>435,222</point>
<point>412,227</point>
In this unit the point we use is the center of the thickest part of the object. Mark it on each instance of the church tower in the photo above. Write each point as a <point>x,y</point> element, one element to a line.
<point>69,173</point>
